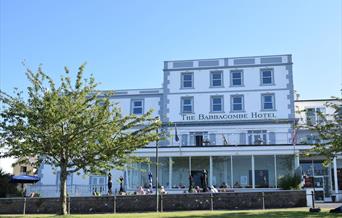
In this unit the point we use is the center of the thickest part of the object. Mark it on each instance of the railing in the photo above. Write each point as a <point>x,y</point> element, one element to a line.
<point>72,190</point>
<point>245,138</point>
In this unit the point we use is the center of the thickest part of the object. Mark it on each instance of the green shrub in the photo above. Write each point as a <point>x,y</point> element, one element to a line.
<point>289,182</point>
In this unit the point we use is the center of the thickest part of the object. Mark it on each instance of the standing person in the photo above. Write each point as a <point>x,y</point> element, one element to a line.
<point>150,181</point>
<point>191,186</point>
<point>110,184</point>
<point>204,180</point>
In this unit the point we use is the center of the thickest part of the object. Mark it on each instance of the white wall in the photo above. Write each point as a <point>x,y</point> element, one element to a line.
<point>300,106</point>
<point>252,103</point>
<point>49,176</point>
<point>150,102</point>
<point>251,77</point>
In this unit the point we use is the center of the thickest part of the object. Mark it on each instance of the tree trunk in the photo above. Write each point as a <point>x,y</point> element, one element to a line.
<point>63,190</point>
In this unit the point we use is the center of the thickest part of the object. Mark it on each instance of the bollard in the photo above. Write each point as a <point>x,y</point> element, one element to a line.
<point>263,200</point>
<point>313,199</point>
<point>211,202</point>
<point>24,209</point>
<point>313,209</point>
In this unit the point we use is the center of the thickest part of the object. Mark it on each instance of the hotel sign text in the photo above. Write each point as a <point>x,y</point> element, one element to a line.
<point>232,116</point>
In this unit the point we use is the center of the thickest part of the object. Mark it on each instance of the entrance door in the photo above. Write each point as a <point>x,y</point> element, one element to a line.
<point>199,140</point>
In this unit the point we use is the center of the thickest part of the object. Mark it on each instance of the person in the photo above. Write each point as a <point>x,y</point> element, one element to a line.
<point>110,184</point>
<point>33,194</point>
<point>162,190</point>
<point>237,185</point>
<point>141,191</point>
<point>204,180</point>
<point>224,185</point>
<point>150,179</point>
<point>213,189</point>
<point>198,189</point>
<point>149,191</point>
<point>191,185</point>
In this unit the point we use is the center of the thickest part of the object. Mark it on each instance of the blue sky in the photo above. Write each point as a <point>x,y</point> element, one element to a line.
<point>125,42</point>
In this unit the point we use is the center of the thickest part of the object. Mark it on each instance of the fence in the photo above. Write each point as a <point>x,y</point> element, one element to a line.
<point>168,202</point>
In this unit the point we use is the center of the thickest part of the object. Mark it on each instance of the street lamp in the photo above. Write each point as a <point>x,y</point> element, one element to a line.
<point>157,163</point>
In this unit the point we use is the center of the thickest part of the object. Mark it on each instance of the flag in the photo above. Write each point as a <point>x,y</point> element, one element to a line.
<point>176,135</point>
<point>225,142</point>
<point>294,136</point>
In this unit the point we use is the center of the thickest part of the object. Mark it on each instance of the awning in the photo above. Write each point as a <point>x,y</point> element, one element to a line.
<point>24,179</point>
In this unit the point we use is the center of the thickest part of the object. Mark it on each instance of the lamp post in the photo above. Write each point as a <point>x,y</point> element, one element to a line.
<point>157,163</point>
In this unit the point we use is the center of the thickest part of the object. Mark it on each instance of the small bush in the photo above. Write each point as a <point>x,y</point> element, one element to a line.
<point>289,182</point>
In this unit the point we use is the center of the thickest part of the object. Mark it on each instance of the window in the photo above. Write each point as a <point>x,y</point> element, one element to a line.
<point>237,103</point>
<point>257,137</point>
<point>216,104</point>
<point>199,138</point>
<point>312,115</point>
<point>216,79</point>
<point>23,169</point>
<point>187,80</point>
<point>267,101</point>
<point>236,78</point>
<point>137,107</point>
<point>187,104</point>
<point>267,77</point>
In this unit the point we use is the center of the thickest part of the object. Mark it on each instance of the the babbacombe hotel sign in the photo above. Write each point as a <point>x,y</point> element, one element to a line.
<point>229,116</point>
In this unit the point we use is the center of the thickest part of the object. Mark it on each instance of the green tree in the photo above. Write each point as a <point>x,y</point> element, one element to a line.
<point>7,188</point>
<point>71,126</point>
<point>329,129</point>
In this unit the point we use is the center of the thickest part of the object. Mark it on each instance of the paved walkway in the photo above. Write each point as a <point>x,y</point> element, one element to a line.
<point>328,205</point>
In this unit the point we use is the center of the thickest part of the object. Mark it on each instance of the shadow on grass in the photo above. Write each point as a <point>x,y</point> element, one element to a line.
<point>271,214</point>
<point>200,214</point>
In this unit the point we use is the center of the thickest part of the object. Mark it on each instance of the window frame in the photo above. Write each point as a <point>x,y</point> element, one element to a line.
<point>142,106</point>
<point>212,103</point>
<point>182,80</point>
<point>212,79</point>
<point>262,77</point>
<point>251,137</point>
<point>232,104</point>
<point>231,78</point>
<point>191,98</point>
<point>263,102</point>
<point>317,118</point>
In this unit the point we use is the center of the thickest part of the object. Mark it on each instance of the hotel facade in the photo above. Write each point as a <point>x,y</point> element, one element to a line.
<point>233,117</point>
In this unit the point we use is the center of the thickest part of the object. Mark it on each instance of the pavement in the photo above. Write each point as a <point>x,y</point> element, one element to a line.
<point>328,205</point>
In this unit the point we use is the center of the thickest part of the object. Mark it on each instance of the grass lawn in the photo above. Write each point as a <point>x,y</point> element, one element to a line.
<point>277,213</point>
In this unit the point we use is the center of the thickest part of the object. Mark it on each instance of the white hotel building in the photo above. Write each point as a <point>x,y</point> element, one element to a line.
<point>234,118</point>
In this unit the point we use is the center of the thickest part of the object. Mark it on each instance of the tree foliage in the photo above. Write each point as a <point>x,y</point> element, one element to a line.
<point>329,130</point>
<point>71,126</point>
<point>289,182</point>
<point>7,188</point>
